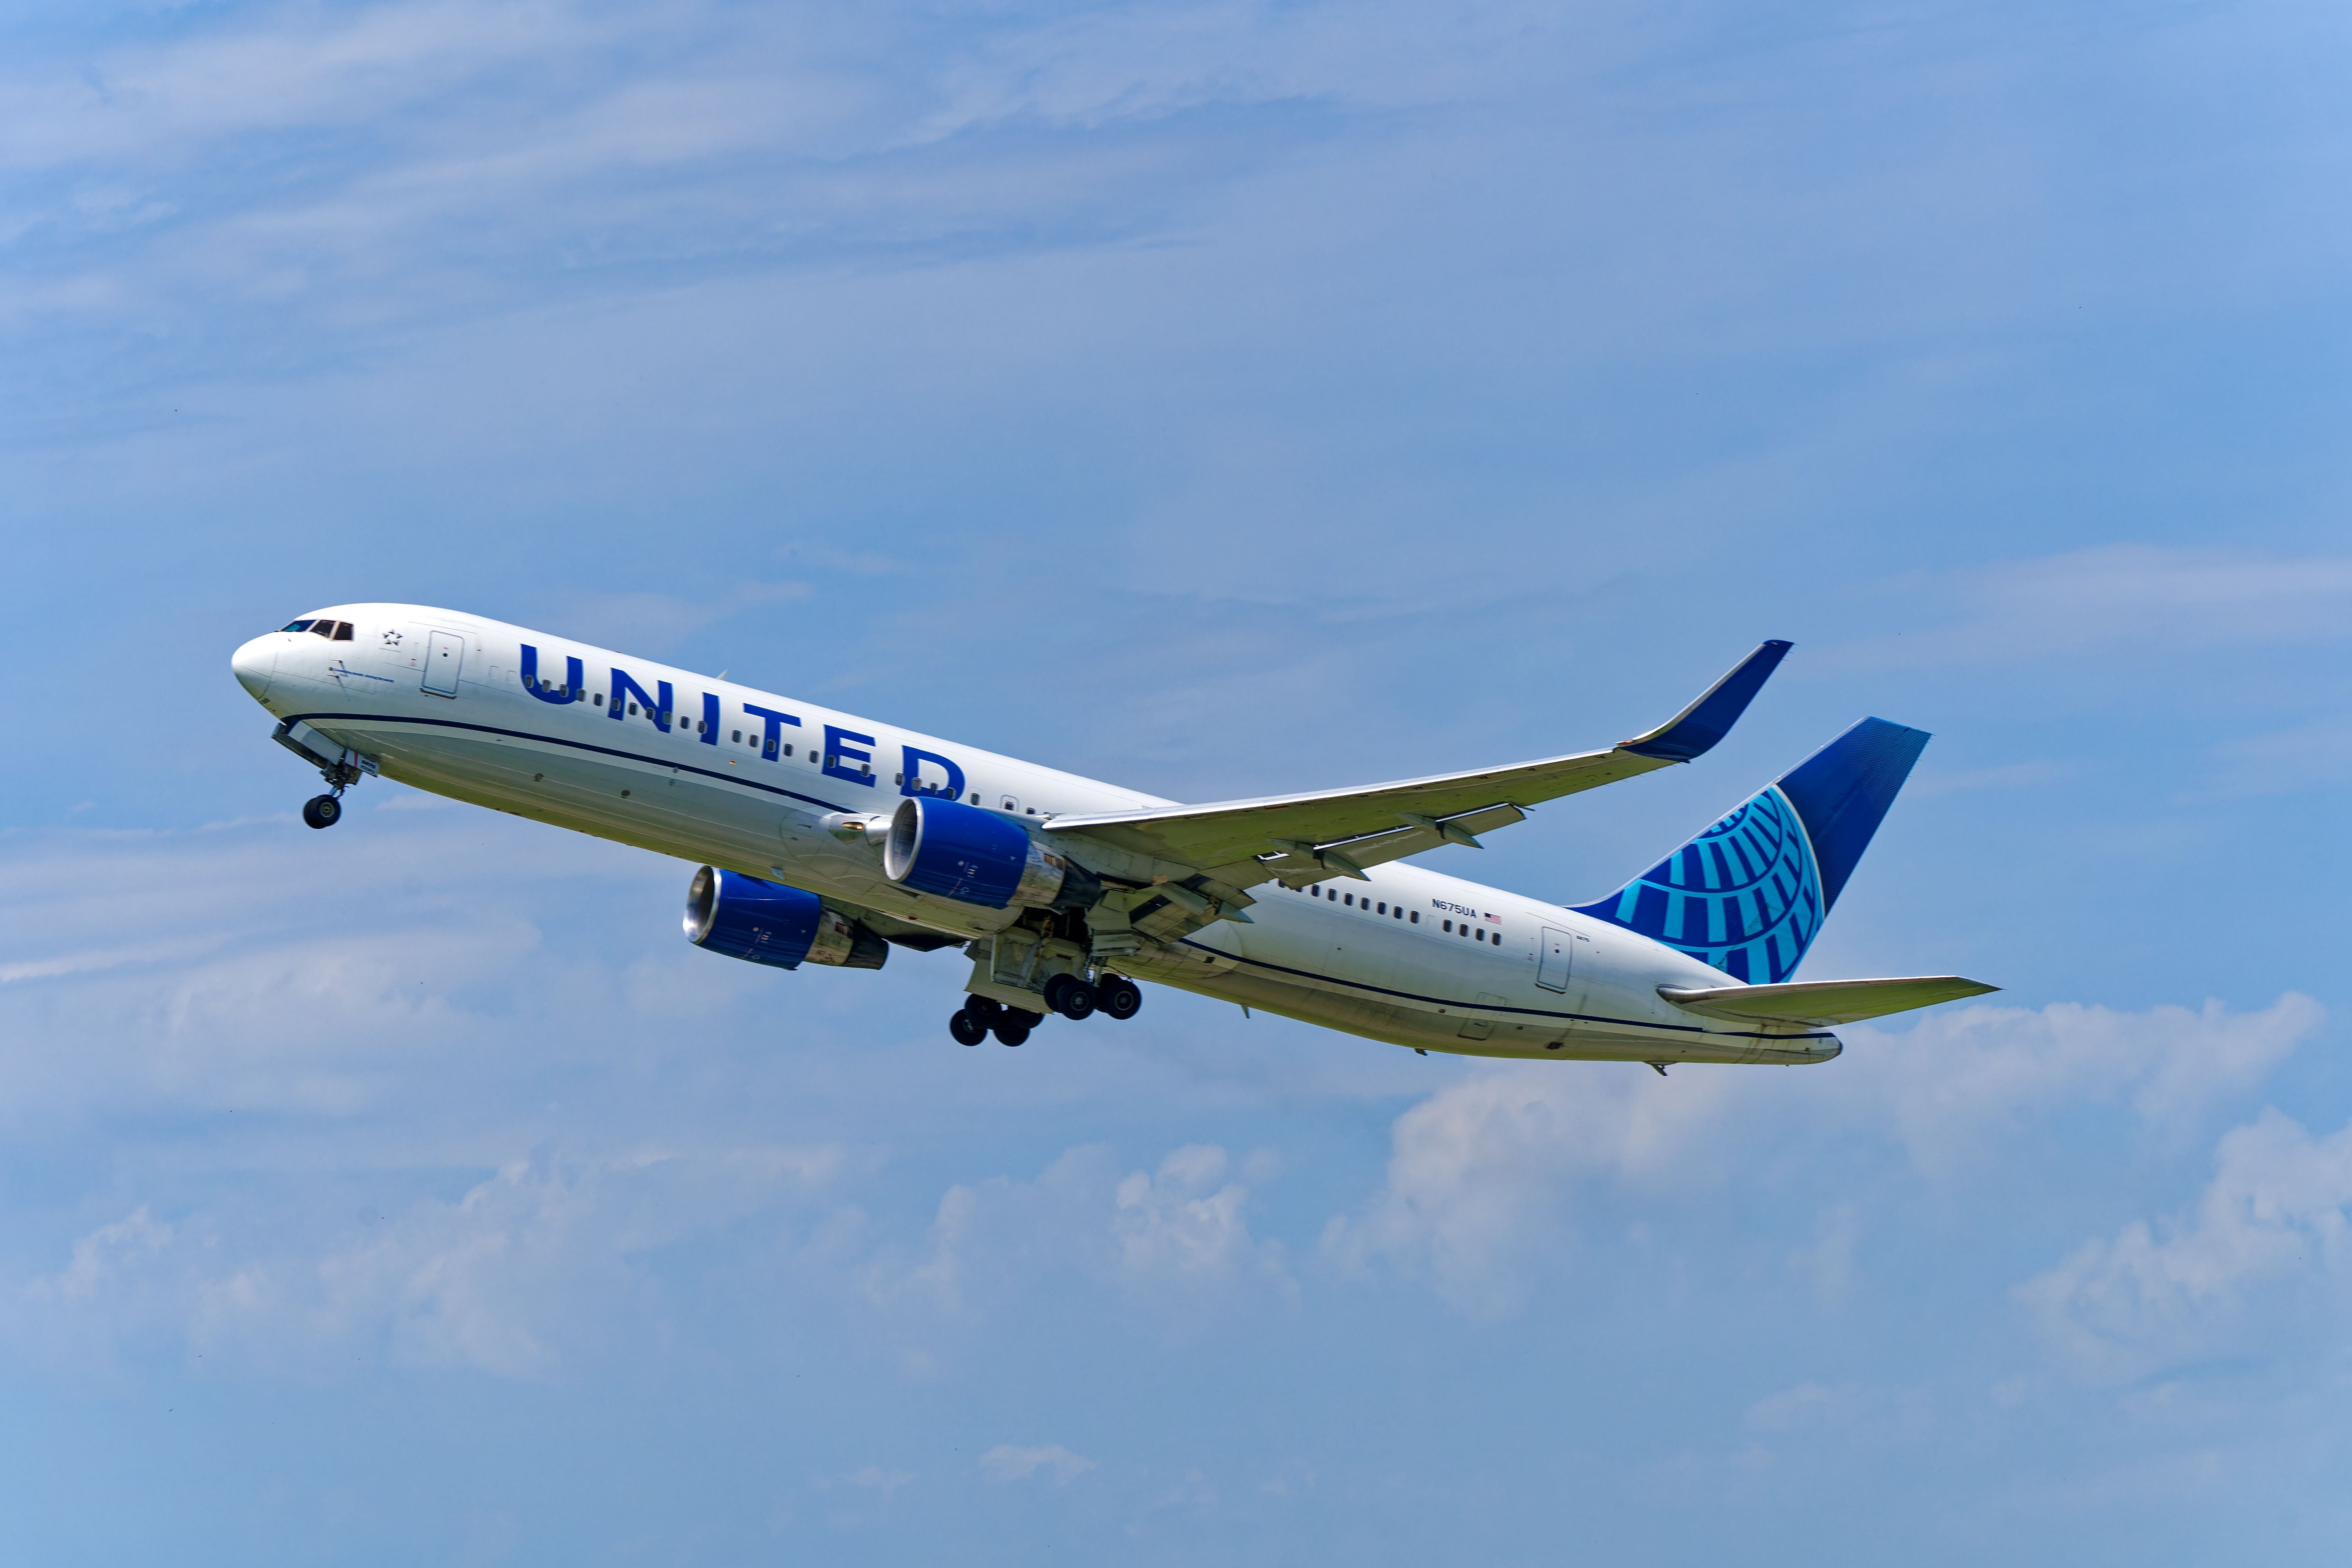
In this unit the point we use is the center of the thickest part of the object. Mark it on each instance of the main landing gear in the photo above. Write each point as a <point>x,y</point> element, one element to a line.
<point>982,1016</point>
<point>322,811</point>
<point>1072,998</point>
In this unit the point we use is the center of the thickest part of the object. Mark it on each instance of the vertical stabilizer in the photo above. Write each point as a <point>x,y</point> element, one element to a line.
<point>1748,894</point>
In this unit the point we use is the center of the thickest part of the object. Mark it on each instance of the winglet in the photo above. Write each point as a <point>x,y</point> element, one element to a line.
<point>1695,731</point>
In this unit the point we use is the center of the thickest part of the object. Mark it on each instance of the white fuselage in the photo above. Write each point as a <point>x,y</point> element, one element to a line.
<point>436,700</point>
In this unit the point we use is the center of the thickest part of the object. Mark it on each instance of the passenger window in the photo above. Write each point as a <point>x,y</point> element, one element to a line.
<point>1384,909</point>
<point>1416,917</point>
<point>739,737</point>
<point>1449,927</point>
<point>788,751</point>
<point>600,699</point>
<point>633,710</point>
<point>1398,912</point>
<point>342,631</point>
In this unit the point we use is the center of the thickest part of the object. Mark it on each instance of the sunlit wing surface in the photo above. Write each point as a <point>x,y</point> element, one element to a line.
<point>1306,837</point>
<point>1817,1004</point>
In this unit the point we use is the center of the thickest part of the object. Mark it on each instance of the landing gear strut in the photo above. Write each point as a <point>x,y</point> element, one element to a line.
<point>322,811</point>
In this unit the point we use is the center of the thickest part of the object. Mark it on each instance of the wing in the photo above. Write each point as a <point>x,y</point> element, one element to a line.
<point>1816,1002</point>
<point>1303,839</point>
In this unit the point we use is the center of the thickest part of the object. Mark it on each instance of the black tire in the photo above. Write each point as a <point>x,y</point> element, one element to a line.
<point>1054,987</point>
<point>984,1008</point>
<point>1023,1016</point>
<point>322,811</point>
<point>967,1029</point>
<point>1120,998</point>
<point>1077,1000</point>
<point>1011,1033</point>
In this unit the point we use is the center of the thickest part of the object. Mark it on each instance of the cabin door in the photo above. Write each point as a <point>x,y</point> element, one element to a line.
<point>445,657</point>
<point>1553,959</point>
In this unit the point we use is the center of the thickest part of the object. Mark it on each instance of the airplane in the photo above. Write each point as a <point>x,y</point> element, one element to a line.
<point>822,838</point>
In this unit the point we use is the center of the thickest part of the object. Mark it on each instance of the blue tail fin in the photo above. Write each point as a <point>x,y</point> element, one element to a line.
<point>1748,894</point>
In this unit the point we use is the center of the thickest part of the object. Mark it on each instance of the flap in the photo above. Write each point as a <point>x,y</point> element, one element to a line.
<point>1814,1003</point>
<point>1305,838</point>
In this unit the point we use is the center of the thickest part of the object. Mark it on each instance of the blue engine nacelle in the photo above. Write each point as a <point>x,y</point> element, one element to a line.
<point>978,857</point>
<point>767,922</point>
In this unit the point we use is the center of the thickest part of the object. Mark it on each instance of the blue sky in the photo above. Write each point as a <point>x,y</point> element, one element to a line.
<point>1220,399</point>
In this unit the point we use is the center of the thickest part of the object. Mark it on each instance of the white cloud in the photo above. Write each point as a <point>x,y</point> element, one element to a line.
<point>1483,1176</point>
<point>1479,1171</point>
<point>102,1257</point>
<point>1175,1241</point>
<point>2267,1247</point>
<point>1962,1078</point>
<point>1007,1463</point>
<point>244,967</point>
<point>521,1276</point>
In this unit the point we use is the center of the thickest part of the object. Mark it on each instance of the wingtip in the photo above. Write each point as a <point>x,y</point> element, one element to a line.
<point>1694,732</point>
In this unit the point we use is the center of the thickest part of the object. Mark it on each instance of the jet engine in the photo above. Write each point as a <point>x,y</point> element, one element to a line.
<point>767,922</point>
<point>976,857</point>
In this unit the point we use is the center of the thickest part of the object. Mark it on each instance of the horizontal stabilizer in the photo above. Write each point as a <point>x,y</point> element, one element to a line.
<point>1815,1002</point>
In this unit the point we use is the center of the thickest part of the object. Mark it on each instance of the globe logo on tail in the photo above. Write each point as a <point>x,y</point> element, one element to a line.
<point>1744,896</point>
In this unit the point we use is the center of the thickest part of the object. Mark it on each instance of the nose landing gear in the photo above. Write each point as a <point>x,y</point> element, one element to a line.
<point>339,765</point>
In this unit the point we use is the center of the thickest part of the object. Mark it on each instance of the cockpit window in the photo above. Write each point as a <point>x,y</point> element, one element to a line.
<point>298,626</point>
<point>342,631</point>
<point>323,628</point>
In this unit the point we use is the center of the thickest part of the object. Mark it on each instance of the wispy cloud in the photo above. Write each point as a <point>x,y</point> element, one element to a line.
<point>2112,597</point>
<point>1008,1462</point>
<point>2317,755</point>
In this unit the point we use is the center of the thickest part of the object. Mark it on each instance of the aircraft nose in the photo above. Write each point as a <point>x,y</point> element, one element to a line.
<point>255,663</point>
